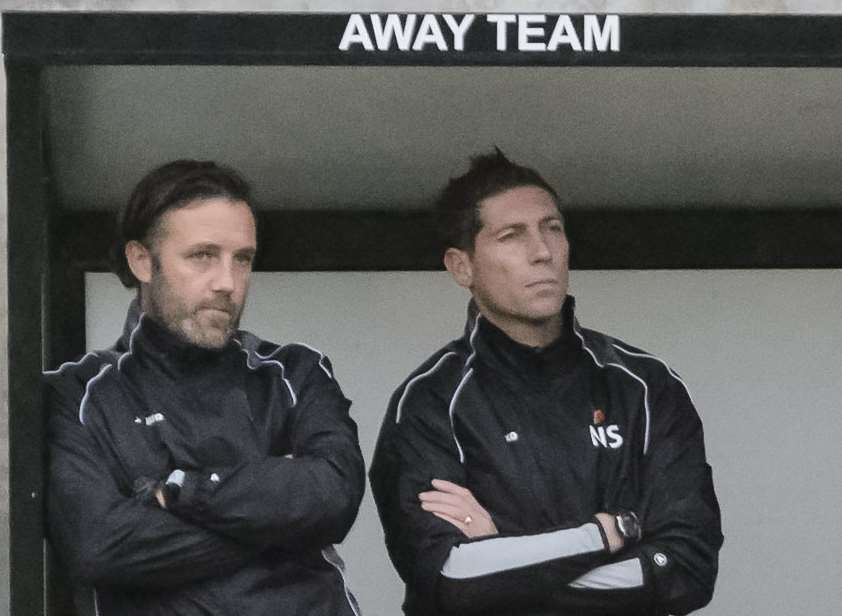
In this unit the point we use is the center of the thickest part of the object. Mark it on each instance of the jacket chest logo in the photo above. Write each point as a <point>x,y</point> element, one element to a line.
<point>607,436</point>
<point>150,420</point>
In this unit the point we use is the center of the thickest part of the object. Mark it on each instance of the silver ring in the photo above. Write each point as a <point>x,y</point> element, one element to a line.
<point>468,519</point>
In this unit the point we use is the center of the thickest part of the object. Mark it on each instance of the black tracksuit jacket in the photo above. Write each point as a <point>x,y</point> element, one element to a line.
<point>545,439</point>
<point>273,477</point>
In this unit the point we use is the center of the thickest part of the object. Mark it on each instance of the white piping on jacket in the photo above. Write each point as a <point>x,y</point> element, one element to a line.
<point>321,357</point>
<point>672,372</point>
<point>88,386</point>
<point>70,363</point>
<point>266,360</point>
<point>340,567</point>
<point>452,408</point>
<point>631,374</point>
<point>415,379</point>
<point>131,342</point>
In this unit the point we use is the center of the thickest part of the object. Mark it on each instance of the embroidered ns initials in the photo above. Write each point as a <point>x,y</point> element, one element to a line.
<point>602,436</point>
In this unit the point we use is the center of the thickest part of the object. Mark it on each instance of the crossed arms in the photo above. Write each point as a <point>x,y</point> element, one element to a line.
<point>453,567</point>
<point>227,517</point>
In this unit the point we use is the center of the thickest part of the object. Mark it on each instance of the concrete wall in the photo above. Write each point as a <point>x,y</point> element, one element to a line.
<point>486,6</point>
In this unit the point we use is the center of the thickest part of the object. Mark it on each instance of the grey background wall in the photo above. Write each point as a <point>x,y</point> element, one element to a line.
<point>760,350</point>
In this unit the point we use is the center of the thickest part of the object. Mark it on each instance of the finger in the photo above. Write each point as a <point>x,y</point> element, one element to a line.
<point>469,530</point>
<point>450,487</point>
<point>458,513</point>
<point>434,496</point>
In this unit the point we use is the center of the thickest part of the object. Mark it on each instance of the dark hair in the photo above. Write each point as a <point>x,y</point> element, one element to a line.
<point>167,187</point>
<point>458,205</point>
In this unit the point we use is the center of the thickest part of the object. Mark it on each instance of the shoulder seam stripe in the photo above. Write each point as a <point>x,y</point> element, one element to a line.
<point>649,356</point>
<point>67,364</point>
<point>88,387</point>
<point>321,357</point>
<point>265,360</point>
<point>414,380</point>
<point>634,376</point>
<point>671,372</point>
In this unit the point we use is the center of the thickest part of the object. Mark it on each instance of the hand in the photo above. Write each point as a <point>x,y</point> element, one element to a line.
<point>455,504</point>
<point>159,496</point>
<point>149,491</point>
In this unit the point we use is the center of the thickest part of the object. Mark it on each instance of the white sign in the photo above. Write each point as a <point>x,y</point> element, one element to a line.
<point>530,33</point>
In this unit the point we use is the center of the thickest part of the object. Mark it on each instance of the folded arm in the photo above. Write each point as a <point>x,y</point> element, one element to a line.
<point>562,570</point>
<point>307,499</point>
<point>450,564</point>
<point>671,570</point>
<point>105,535</point>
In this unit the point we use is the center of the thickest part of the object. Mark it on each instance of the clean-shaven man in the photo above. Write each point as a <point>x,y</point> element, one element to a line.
<point>534,467</point>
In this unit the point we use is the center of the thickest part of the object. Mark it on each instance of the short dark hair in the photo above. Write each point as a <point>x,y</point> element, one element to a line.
<point>458,205</point>
<point>168,187</point>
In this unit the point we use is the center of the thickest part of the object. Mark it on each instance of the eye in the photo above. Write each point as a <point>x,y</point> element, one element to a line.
<point>507,235</point>
<point>201,255</point>
<point>245,259</point>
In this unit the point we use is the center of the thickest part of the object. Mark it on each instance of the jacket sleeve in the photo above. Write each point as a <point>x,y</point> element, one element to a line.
<point>678,507</point>
<point>106,536</point>
<point>444,571</point>
<point>674,567</point>
<point>307,500</point>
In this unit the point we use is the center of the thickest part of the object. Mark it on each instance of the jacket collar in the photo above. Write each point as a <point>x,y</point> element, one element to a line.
<point>507,356</point>
<point>480,334</point>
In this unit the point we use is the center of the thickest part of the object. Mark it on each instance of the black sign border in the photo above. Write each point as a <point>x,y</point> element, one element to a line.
<point>302,39</point>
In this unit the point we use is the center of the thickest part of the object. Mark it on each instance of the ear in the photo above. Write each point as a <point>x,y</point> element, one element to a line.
<point>140,260</point>
<point>458,263</point>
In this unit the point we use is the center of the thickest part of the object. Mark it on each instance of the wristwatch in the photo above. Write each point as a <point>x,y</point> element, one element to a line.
<point>172,487</point>
<point>628,525</point>
<point>170,492</point>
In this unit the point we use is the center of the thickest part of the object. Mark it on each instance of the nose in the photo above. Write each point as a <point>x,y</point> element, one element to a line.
<point>539,249</point>
<point>223,280</point>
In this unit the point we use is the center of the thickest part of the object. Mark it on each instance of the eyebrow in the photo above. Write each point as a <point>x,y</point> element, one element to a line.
<point>214,246</point>
<point>522,225</point>
<point>202,246</point>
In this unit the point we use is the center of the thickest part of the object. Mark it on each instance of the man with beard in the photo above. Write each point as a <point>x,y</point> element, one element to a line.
<point>533,467</point>
<point>195,468</point>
